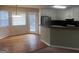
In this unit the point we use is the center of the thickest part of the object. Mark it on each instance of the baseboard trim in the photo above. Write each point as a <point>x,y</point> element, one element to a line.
<point>3,37</point>
<point>65,47</point>
<point>57,46</point>
<point>45,42</point>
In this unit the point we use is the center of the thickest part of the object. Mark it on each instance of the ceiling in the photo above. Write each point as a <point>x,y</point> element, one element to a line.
<point>41,6</point>
<point>32,6</point>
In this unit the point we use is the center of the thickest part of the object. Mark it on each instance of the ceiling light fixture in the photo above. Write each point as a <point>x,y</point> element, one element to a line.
<point>60,7</point>
<point>16,13</point>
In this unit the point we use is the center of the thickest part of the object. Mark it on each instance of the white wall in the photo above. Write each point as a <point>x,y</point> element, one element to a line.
<point>17,30</point>
<point>4,32</point>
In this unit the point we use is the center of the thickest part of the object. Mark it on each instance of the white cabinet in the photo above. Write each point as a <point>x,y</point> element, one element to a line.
<point>76,13</point>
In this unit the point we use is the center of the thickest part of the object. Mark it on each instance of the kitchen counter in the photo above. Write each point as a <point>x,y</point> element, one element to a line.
<point>64,36</point>
<point>65,27</point>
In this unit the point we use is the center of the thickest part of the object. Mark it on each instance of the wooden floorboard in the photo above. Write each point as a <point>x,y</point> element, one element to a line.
<point>55,50</point>
<point>22,43</point>
<point>29,43</point>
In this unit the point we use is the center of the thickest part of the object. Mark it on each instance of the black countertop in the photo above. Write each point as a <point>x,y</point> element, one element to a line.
<point>64,27</point>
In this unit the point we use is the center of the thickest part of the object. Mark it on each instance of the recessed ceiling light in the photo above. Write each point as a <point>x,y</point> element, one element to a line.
<point>60,7</point>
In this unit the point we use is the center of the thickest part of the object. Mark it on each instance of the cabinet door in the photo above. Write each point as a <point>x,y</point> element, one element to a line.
<point>76,13</point>
<point>68,13</point>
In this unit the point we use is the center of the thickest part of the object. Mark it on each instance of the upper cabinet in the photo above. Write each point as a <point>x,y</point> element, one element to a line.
<point>68,14</point>
<point>49,12</point>
<point>76,13</point>
<point>64,14</point>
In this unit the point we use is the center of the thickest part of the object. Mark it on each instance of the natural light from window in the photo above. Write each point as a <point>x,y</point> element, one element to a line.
<point>4,19</point>
<point>19,20</point>
<point>32,19</point>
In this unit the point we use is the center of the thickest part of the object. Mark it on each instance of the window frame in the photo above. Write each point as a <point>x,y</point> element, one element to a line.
<point>24,17</point>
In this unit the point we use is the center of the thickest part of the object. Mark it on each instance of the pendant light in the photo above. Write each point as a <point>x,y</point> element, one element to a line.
<point>16,12</point>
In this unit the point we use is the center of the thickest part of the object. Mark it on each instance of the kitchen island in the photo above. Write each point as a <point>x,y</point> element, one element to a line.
<point>66,36</point>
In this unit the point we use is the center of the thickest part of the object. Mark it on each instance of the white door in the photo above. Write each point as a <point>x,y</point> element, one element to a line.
<point>33,22</point>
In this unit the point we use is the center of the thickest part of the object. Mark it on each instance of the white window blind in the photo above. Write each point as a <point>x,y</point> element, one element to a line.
<point>4,19</point>
<point>19,20</point>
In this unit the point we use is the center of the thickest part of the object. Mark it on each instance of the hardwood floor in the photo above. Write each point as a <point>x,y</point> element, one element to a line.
<point>55,50</point>
<point>28,43</point>
<point>22,43</point>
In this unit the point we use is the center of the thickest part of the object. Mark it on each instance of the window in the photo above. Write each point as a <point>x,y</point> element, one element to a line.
<point>32,19</point>
<point>4,19</point>
<point>19,20</point>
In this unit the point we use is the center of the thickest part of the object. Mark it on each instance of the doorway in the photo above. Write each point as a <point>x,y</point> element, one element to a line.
<point>33,18</point>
